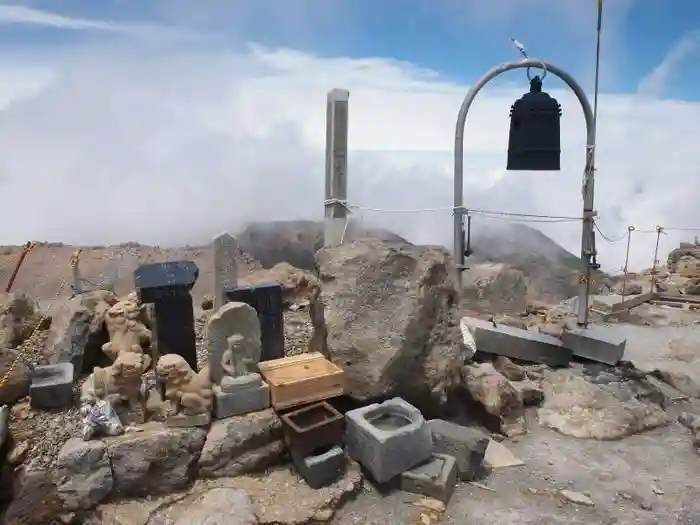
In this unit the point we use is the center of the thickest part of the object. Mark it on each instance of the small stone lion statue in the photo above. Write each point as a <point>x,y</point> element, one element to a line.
<point>121,381</point>
<point>126,325</point>
<point>189,394</point>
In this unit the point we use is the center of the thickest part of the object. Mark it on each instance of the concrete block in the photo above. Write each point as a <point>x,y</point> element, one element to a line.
<point>313,427</point>
<point>435,478</point>
<point>518,344</point>
<point>52,386</point>
<point>319,470</point>
<point>595,343</point>
<point>253,398</point>
<point>467,445</point>
<point>387,438</point>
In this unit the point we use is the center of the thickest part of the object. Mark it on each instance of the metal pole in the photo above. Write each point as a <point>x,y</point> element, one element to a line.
<point>587,230</point>
<point>659,231</point>
<point>630,229</point>
<point>597,61</point>
<point>25,251</point>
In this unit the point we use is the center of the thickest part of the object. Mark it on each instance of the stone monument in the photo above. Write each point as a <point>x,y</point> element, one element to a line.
<point>234,352</point>
<point>225,268</point>
<point>168,285</point>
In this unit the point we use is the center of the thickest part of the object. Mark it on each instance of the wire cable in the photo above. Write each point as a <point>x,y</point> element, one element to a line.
<point>606,238</point>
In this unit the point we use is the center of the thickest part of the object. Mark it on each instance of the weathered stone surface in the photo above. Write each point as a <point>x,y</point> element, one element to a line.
<point>509,369</point>
<point>692,423</point>
<point>497,395</point>
<point>279,498</point>
<point>577,408</point>
<point>85,474</point>
<point>467,445</point>
<point>680,381</point>
<point>530,391</point>
<point>242,444</point>
<point>78,330</point>
<point>297,285</point>
<point>494,287</point>
<point>17,385</point>
<point>35,499</point>
<point>219,506</point>
<point>156,460</point>
<point>18,319</point>
<point>391,319</point>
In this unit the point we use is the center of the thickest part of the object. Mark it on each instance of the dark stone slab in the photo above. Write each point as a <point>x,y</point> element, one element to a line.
<point>267,301</point>
<point>518,344</point>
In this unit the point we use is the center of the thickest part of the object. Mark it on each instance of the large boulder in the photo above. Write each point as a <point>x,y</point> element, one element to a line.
<point>297,285</point>
<point>19,318</point>
<point>78,330</point>
<point>391,320</point>
<point>242,444</point>
<point>494,287</point>
<point>155,460</point>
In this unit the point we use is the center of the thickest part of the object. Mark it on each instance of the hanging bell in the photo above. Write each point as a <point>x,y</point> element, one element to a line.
<point>534,142</point>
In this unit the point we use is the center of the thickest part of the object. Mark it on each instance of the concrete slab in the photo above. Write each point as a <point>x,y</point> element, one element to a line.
<point>435,478</point>
<point>518,344</point>
<point>52,386</point>
<point>467,445</point>
<point>319,470</point>
<point>595,343</point>
<point>387,438</point>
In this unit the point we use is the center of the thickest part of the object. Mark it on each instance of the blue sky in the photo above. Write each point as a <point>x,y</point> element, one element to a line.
<point>457,38</point>
<point>220,105</point>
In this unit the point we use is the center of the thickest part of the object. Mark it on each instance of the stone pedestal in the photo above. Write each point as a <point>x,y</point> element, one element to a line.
<point>240,395</point>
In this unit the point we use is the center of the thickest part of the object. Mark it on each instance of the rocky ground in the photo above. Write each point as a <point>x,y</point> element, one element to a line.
<point>598,444</point>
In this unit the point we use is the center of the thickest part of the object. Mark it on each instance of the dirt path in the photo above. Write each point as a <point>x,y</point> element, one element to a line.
<point>645,479</point>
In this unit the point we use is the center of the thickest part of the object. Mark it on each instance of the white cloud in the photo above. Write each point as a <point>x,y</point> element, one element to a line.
<point>656,82</point>
<point>171,146</point>
<point>23,15</point>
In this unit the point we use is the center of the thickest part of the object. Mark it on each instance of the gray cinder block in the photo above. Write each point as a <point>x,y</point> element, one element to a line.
<point>387,438</point>
<point>435,478</point>
<point>319,470</point>
<point>596,344</point>
<point>52,386</point>
<point>518,344</point>
<point>467,445</point>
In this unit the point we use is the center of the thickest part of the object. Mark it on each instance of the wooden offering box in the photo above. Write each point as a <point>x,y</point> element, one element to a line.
<point>313,427</point>
<point>301,379</point>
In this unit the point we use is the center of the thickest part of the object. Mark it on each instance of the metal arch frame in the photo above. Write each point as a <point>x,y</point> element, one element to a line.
<point>587,247</point>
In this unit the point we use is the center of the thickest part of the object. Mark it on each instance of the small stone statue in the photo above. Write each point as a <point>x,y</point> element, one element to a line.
<point>189,394</point>
<point>126,325</point>
<point>236,363</point>
<point>99,418</point>
<point>234,352</point>
<point>119,382</point>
